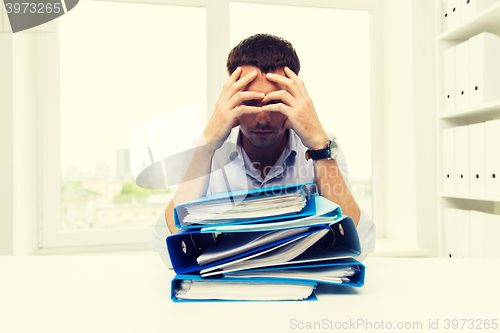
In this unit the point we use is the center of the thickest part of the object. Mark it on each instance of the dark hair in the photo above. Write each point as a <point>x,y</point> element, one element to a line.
<point>264,51</point>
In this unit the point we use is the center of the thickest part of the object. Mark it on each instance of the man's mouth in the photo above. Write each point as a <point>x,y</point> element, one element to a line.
<point>262,134</point>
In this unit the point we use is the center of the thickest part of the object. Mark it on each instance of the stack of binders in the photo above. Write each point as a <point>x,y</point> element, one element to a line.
<point>274,243</point>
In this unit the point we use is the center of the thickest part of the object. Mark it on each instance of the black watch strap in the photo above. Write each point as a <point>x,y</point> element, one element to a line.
<point>319,154</point>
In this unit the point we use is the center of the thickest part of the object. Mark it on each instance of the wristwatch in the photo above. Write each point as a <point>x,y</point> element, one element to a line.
<point>330,152</point>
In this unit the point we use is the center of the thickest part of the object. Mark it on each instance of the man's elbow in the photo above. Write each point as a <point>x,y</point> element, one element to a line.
<point>169,217</point>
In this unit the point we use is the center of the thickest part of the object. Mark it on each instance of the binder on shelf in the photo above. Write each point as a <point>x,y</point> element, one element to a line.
<point>448,162</point>
<point>449,91</point>
<point>462,75</point>
<point>484,68</point>
<point>471,8</point>
<point>477,232</point>
<point>444,15</point>
<point>462,174</point>
<point>450,232</point>
<point>492,230</point>
<point>454,13</point>
<point>477,158</point>
<point>463,230</point>
<point>492,160</point>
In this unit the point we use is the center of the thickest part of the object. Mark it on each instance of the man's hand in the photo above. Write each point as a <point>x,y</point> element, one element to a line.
<point>229,107</point>
<point>298,107</point>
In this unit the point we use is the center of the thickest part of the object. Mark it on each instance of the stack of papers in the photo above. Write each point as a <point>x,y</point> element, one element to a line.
<point>338,274</point>
<point>272,256</point>
<point>236,243</point>
<point>251,207</point>
<point>249,291</point>
<point>275,225</point>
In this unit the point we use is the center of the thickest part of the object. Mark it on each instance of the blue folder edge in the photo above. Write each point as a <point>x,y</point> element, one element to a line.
<point>176,280</point>
<point>183,253</point>
<point>316,205</point>
<point>180,208</point>
<point>184,262</point>
<point>357,279</point>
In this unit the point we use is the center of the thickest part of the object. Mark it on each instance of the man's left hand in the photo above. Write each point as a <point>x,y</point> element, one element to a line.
<point>298,107</point>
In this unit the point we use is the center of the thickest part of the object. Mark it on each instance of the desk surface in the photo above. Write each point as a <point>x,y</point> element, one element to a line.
<point>132,294</point>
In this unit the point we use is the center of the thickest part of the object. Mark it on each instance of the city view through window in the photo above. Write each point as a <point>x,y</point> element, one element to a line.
<point>102,200</point>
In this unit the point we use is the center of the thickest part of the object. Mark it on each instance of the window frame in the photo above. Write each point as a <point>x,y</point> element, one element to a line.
<point>217,30</point>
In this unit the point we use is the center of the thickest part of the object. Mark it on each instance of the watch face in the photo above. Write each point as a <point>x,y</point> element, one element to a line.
<point>334,149</point>
<point>308,155</point>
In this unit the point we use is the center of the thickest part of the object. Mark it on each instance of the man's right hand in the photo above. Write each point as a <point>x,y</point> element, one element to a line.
<point>229,107</point>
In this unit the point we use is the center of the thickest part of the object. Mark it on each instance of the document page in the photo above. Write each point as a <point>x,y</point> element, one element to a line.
<point>234,244</point>
<point>335,274</point>
<point>280,254</point>
<point>252,207</point>
<point>253,291</point>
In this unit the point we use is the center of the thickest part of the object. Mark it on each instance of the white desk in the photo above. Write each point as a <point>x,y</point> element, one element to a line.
<point>132,294</point>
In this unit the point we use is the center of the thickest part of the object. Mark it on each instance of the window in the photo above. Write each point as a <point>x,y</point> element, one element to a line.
<point>120,64</point>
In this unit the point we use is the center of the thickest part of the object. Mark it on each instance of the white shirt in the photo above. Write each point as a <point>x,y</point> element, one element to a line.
<point>290,168</point>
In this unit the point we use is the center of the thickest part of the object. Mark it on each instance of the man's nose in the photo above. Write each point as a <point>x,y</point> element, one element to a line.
<point>263,117</point>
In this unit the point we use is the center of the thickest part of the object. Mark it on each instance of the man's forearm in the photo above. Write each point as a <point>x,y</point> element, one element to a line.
<point>331,185</point>
<point>194,184</point>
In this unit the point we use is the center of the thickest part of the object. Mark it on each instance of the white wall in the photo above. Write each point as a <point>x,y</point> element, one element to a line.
<point>409,112</point>
<point>25,145</point>
<point>18,105</point>
<point>424,92</point>
<point>6,146</point>
<point>398,107</point>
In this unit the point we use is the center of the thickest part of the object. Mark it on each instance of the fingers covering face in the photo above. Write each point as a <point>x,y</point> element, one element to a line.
<point>241,83</point>
<point>279,107</point>
<point>244,109</point>
<point>280,95</point>
<point>242,96</point>
<point>292,82</point>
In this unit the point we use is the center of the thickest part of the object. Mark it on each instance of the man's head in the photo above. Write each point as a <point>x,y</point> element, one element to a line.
<point>265,52</point>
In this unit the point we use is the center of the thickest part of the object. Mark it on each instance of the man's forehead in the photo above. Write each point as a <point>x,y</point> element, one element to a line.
<point>246,69</point>
<point>261,83</point>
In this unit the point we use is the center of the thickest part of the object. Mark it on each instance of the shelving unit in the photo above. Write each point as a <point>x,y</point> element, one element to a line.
<point>487,20</point>
<point>484,112</point>
<point>467,196</point>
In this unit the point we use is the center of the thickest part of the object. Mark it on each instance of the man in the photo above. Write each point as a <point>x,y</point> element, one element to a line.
<point>265,112</point>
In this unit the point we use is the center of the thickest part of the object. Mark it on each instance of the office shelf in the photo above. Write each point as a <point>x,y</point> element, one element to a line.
<point>489,110</point>
<point>468,196</point>
<point>486,20</point>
